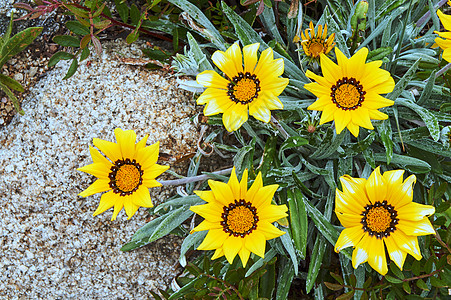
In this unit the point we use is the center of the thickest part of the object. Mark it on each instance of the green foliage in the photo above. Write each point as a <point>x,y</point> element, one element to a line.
<point>10,46</point>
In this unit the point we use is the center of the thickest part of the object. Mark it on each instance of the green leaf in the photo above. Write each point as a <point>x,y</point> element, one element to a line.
<point>11,83</point>
<point>84,54</point>
<point>261,261</point>
<point>427,91</point>
<point>385,133</point>
<point>158,228</point>
<point>190,200</point>
<point>284,280</point>
<point>318,253</point>
<point>72,68</point>
<point>346,296</point>
<point>422,285</point>
<point>191,240</point>
<point>292,142</point>
<point>392,279</point>
<point>406,287</point>
<point>428,118</point>
<point>77,28</point>
<point>402,84</point>
<point>135,14</point>
<point>288,245</point>
<point>67,40</point>
<point>200,57</point>
<point>18,43</point>
<point>12,98</point>
<point>61,55</point>
<point>209,31</point>
<point>122,9</point>
<point>333,286</point>
<point>324,226</point>
<point>298,221</point>
<point>407,162</point>
<point>77,11</point>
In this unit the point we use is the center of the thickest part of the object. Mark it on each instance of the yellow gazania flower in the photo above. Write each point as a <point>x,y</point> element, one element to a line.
<point>238,220</point>
<point>315,44</point>
<point>445,43</point>
<point>254,87</point>
<point>128,175</point>
<point>349,92</point>
<point>380,211</point>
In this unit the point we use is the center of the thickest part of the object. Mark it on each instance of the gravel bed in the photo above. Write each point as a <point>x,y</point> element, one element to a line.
<point>51,246</point>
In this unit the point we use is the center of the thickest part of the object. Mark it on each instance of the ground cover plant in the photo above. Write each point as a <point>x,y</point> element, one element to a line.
<point>337,117</point>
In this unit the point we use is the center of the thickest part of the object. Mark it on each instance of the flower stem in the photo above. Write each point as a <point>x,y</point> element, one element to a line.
<point>195,178</point>
<point>423,276</point>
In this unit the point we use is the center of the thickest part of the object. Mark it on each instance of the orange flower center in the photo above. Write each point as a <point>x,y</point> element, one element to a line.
<point>347,93</point>
<point>239,218</point>
<point>125,177</point>
<point>316,48</point>
<point>243,88</point>
<point>379,219</point>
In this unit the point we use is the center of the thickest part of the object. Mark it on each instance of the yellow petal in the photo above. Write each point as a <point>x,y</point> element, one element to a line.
<point>99,170</point>
<point>218,104</point>
<point>229,62</point>
<point>107,201</point>
<point>272,213</point>
<point>260,112</point>
<point>141,197</point>
<point>154,171</point>
<point>150,183</point>
<point>207,196</point>
<point>100,185</point>
<point>218,253</point>
<point>349,220</point>
<point>264,195</point>
<point>243,185</point>
<point>126,140</point>
<point>415,211</point>
<point>99,158</point>
<point>376,187</point>
<point>266,58</point>
<point>232,245</point>
<point>142,143</point>
<point>445,19</point>
<point>258,184</point>
<point>148,156</point>
<point>354,129</point>
<point>235,116</point>
<point>353,199</point>
<point>256,243</point>
<point>250,57</point>
<point>223,193</point>
<point>268,230</point>
<point>402,194</point>
<point>328,113</point>
<point>377,115</point>
<point>207,225</point>
<point>420,227</point>
<point>376,257</point>
<point>396,254</point>
<point>276,85</point>
<point>407,244</point>
<point>111,150</point>
<point>130,208</point>
<point>210,78</point>
<point>330,70</point>
<point>244,256</point>
<point>211,211</point>
<point>361,251</point>
<point>234,185</point>
<point>118,205</point>
<point>214,239</point>
<point>361,118</point>
<point>375,101</point>
<point>349,237</point>
<point>342,119</point>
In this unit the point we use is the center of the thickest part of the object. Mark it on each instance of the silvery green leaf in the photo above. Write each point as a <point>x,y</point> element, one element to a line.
<point>190,85</point>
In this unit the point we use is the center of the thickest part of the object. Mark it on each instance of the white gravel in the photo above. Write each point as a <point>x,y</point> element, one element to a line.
<point>51,247</point>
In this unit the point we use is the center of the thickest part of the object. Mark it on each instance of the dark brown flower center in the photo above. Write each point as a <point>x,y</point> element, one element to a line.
<point>243,88</point>
<point>239,218</point>
<point>125,177</point>
<point>379,219</point>
<point>347,93</point>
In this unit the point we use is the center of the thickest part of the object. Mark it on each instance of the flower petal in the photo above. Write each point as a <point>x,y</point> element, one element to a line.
<point>232,245</point>
<point>272,213</point>
<point>126,140</point>
<point>107,201</point>
<point>100,185</point>
<point>269,231</point>
<point>244,255</point>
<point>256,243</point>
<point>416,228</point>
<point>361,252</point>
<point>407,244</point>
<point>210,78</point>
<point>349,237</point>
<point>396,254</point>
<point>229,62</point>
<point>235,116</point>
<point>214,239</point>
<point>111,150</point>
<point>376,187</point>
<point>223,193</point>
<point>376,257</point>
<point>415,211</point>
<point>250,57</point>
<point>234,185</point>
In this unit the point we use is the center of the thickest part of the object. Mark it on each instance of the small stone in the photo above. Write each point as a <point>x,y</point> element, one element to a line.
<point>33,71</point>
<point>18,76</point>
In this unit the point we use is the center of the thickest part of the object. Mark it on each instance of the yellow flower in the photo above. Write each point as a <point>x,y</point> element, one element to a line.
<point>128,175</point>
<point>380,211</point>
<point>238,220</point>
<point>315,44</point>
<point>252,89</point>
<point>445,43</point>
<point>349,92</point>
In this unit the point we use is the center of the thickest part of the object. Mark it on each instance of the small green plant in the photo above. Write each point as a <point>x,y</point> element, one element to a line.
<point>10,46</point>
